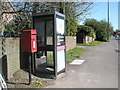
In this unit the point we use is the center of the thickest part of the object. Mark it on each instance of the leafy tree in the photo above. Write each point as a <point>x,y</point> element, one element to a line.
<point>75,11</point>
<point>89,31</point>
<point>100,28</point>
<point>71,26</point>
<point>72,10</point>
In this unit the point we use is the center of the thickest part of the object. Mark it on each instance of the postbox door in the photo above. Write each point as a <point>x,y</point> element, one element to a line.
<point>26,39</point>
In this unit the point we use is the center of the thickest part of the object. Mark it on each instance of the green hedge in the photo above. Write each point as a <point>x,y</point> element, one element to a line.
<point>89,31</point>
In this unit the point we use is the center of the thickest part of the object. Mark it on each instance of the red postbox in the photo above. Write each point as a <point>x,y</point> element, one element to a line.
<point>29,42</point>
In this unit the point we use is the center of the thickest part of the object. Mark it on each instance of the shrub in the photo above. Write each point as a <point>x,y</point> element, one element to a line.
<point>89,31</point>
<point>100,28</point>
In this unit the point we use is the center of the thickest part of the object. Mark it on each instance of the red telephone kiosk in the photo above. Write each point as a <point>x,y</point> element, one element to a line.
<point>29,45</point>
<point>51,52</point>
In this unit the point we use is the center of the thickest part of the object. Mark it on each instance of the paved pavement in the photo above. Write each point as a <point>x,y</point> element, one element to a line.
<point>0,55</point>
<point>100,70</point>
<point>119,64</point>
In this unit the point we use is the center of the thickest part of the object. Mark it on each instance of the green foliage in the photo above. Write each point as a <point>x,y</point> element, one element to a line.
<point>89,31</point>
<point>75,11</point>
<point>100,28</point>
<point>70,55</point>
<point>71,26</point>
<point>94,43</point>
<point>92,23</point>
<point>74,53</point>
<point>50,61</point>
<point>16,26</point>
<point>72,10</point>
<point>37,84</point>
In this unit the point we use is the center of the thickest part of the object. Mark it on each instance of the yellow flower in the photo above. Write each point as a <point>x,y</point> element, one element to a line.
<point>41,83</point>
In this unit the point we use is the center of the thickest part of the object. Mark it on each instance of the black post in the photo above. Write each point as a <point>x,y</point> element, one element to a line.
<point>33,63</point>
<point>30,59</point>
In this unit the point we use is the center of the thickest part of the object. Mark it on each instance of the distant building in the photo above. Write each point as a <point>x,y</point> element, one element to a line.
<point>7,16</point>
<point>118,31</point>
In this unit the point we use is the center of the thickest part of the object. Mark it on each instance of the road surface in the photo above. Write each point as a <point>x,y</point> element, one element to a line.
<point>100,69</point>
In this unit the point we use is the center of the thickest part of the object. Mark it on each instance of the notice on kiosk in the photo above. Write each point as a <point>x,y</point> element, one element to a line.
<point>60,31</point>
<point>60,42</point>
<point>60,60</point>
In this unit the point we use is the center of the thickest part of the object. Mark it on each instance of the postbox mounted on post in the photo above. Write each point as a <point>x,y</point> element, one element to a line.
<point>29,42</point>
<point>29,45</point>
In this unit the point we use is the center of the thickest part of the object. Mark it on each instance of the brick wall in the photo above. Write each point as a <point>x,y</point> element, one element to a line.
<point>70,42</point>
<point>11,55</point>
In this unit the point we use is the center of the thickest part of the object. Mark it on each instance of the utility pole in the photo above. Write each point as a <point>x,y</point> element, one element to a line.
<point>108,17</point>
<point>108,27</point>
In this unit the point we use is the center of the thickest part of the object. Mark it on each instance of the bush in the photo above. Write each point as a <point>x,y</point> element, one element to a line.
<point>89,31</point>
<point>100,28</point>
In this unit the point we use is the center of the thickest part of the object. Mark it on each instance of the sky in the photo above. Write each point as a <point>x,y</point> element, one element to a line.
<point>99,12</point>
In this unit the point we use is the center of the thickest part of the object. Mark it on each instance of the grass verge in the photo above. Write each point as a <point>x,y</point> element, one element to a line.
<point>94,43</point>
<point>74,53</point>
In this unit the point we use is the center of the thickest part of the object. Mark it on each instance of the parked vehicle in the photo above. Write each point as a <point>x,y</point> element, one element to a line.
<point>117,36</point>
